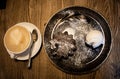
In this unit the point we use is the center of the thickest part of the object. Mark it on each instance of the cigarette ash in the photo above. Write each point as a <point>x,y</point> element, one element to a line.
<point>83,54</point>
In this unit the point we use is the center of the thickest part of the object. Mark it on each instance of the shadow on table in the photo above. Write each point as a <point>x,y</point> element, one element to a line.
<point>3,4</point>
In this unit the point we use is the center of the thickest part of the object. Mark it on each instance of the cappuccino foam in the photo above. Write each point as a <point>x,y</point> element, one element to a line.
<point>17,39</point>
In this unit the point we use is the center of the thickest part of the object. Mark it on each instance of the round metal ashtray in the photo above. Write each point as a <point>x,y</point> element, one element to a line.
<point>65,40</point>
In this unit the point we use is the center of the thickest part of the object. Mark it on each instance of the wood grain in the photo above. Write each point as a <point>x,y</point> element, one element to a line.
<point>39,12</point>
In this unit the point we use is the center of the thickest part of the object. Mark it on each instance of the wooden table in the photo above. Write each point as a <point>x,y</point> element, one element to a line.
<point>38,12</point>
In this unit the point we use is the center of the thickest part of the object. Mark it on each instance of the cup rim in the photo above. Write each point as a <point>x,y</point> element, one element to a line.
<point>19,52</point>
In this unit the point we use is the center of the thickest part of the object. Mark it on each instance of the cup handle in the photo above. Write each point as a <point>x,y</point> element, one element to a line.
<point>13,56</point>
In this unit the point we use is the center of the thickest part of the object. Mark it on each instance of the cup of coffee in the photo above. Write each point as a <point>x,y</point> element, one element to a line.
<point>17,40</point>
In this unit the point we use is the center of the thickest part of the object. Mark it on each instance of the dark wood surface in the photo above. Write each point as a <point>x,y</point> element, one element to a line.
<point>38,12</point>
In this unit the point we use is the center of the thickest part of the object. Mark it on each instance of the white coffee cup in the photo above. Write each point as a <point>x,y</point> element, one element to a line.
<point>17,40</point>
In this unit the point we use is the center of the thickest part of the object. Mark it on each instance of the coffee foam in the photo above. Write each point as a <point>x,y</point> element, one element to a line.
<point>17,39</point>
<point>16,36</point>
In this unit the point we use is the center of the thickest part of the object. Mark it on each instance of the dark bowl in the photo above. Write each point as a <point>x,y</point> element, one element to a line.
<point>93,17</point>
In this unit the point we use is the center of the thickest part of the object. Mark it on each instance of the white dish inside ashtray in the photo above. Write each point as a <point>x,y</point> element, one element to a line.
<point>37,44</point>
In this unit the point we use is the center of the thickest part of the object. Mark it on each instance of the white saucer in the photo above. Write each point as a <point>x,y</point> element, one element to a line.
<point>36,46</point>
